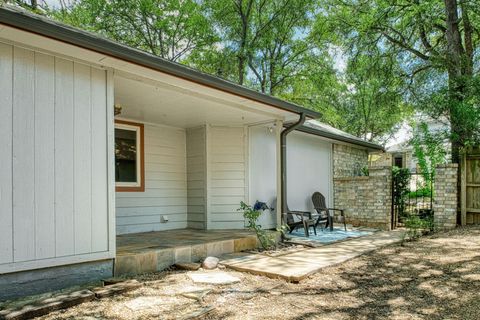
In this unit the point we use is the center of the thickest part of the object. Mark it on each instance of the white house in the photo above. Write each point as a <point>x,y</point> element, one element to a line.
<point>399,151</point>
<point>180,150</point>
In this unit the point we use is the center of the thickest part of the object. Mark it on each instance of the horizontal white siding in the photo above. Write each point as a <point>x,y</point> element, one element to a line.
<point>196,177</point>
<point>227,166</point>
<point>165,185</point>
<point>53,165</point>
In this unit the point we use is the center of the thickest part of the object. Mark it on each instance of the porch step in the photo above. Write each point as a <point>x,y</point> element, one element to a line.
<point>156,258</point>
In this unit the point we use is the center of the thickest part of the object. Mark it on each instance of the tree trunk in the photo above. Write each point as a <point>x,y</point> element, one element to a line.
<point>241,69</point>
<point>455,60</point>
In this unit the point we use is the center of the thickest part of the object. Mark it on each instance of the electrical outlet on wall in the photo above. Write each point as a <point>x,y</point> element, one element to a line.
<point>164,219</point>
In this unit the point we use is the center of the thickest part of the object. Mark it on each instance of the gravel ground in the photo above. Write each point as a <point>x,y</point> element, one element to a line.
<point>436,277</point>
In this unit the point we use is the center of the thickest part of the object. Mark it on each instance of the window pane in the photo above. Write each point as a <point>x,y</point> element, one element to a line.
<point>125,155</point>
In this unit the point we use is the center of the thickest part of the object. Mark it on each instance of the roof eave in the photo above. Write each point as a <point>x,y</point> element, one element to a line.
<point>359,142</point>
<point>42,26</point>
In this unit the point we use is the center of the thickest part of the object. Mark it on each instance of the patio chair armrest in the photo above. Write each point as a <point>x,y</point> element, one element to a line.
<point>302,214</point>
<point>321,209</point>
<point>342,211</point>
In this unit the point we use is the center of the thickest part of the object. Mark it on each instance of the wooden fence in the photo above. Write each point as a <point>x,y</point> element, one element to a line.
<point>470,187</point>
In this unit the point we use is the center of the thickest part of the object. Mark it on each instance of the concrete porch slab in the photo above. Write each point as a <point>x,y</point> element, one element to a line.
<point>155,251</point>
<point>296,266</point>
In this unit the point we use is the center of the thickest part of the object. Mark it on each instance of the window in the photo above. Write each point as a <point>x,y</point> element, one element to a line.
<point>398,161</point>
<point>129,157</point>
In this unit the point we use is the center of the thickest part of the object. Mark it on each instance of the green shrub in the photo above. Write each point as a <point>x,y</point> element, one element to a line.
<point>401,179</point>
<point>416,226</point>
<point>420,193</point>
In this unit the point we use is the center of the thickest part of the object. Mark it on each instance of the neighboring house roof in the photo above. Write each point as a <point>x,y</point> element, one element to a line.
<point>37,24</point>
<point>400,147</point>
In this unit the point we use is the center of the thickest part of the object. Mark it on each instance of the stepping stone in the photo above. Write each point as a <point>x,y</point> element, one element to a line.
<point>142,303</point>
<point>216,277</point>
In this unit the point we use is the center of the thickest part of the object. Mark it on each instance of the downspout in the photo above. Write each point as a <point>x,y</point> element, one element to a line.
<point>283,159</point>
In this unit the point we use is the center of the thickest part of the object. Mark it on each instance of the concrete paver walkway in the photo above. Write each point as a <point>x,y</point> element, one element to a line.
<point>298,265</point>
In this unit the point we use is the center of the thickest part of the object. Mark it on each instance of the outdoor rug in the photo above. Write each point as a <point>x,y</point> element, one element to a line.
<point>327,236</point>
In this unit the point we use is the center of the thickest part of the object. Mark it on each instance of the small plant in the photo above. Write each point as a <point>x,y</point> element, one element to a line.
<point>416,225</point>
<point>365,172</point>
<point>251,215</point>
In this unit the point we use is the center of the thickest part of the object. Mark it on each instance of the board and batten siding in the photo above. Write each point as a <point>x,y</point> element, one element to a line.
<point>227,178</point>
<point>196,177</point>
<point>165,185</point>
<point>53,166</point>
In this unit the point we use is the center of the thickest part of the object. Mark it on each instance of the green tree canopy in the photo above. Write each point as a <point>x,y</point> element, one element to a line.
<point>171,29</point>
<point>435,42</point>
<point>397,54</point>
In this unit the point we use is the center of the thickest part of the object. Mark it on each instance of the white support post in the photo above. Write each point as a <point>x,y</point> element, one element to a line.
<point>208,213</point>
<point>278,144</point>
<point>112,235</point>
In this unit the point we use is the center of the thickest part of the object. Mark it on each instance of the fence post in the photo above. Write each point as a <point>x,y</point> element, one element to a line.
<point>445,203</point>
<point>463,188</point>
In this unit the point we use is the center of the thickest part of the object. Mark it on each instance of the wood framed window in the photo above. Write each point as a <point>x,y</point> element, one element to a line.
<point>129,157</point>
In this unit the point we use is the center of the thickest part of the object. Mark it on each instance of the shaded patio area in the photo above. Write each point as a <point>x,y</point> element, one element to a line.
<point>155,251</point>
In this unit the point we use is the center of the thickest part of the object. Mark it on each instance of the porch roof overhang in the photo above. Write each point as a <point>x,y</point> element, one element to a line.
<point>26,21</point>
<point>320,129</point>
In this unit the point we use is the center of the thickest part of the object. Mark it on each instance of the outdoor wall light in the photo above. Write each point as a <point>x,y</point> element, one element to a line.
<point>117,109</point>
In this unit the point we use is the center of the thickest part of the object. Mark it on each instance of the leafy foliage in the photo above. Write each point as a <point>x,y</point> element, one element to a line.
<point>251,215</point>
<point>362,64</point>
<point>401,180</point>
<point>416,226</point>
<point>373,106</point>
<point>171,29</point>
<point>435,43</point>
<point>423,192</point>
<point>429,149</point>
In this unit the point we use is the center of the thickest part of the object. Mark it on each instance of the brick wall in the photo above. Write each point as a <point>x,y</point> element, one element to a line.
<point>367,200</point>
<point>348,161</point>
<point>445,196</point>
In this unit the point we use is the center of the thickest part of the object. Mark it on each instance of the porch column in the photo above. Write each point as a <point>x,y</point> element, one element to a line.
<point>278,131</point>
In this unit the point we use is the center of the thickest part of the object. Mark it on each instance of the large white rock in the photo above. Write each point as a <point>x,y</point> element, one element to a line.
<point>210,263</point>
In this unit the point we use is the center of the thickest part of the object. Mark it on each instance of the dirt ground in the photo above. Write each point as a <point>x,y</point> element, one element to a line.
<point>436,277</point>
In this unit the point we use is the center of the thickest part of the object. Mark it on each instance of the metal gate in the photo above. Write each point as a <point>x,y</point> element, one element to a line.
<point>412,194</point>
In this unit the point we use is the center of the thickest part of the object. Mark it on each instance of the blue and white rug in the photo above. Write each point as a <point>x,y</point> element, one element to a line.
<point>327,236</point>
